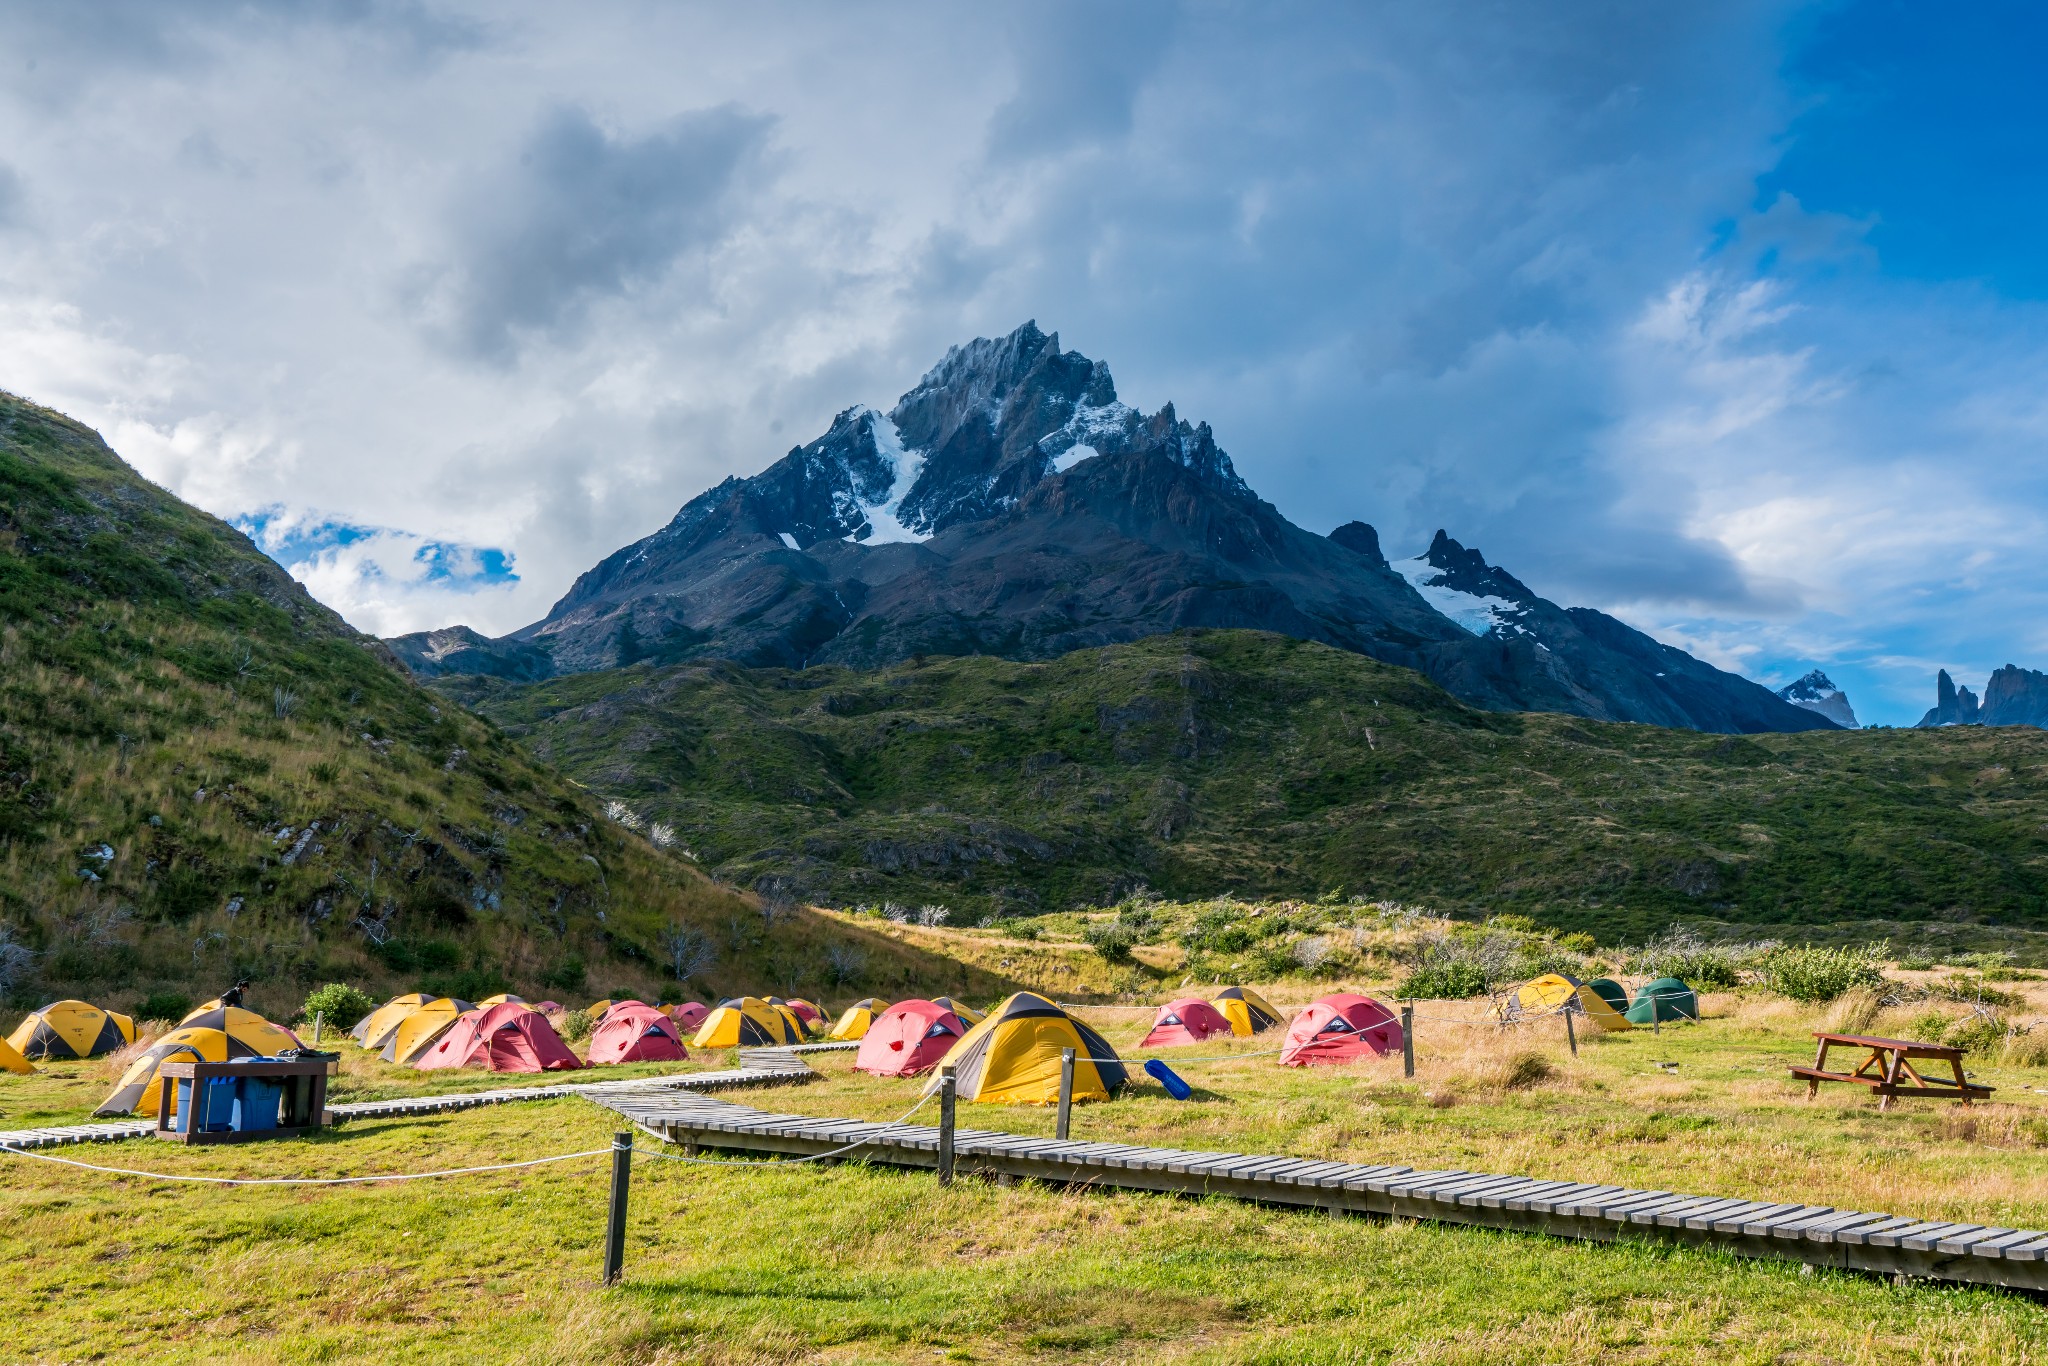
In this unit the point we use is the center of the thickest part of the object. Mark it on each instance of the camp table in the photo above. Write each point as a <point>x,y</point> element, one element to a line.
<point>214,1087</point>
<point>1892,1060</point>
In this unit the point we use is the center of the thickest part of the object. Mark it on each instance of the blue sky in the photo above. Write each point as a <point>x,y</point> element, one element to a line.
<point>1728,319</point>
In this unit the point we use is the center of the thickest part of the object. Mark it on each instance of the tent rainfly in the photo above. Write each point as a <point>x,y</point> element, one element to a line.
<point>419,1031</point>
<point>636,1033</point>
<point>504,1038</point>
<point>374,1030</point>
<point>1340,1028</point>
<point>967,1013</point>
<point>689,1016</point>
<point>855,1021</point>
<point>1187,1020</point>
<point>908,1038</point>
<point>748,1022</point>
<point>1603,1002</point>
<point>218,1035</point>
<point>1247,1011</point>
<point>65,1031</point>
<point>1667,998</point>
<point>1013,1056</point>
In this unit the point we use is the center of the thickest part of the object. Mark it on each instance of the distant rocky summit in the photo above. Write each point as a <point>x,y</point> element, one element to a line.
<point>1012,505</point>
<point>1817,693</point>
<point>2013,697</point>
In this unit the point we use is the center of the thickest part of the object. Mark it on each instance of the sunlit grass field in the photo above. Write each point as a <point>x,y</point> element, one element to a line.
<point>852,1263</point>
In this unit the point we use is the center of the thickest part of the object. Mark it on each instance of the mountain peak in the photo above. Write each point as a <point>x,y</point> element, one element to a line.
<point>1482,598</point>
<point>1953,706</point>
<point>1817,693</point>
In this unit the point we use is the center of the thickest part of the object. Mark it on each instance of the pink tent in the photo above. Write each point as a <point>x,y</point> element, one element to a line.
<point>504,1038</point>
<point>1187,1020</point>
<point>1338,1029</point>
<point>908,1038</point>
<point>688,1016</point>
<point>635,1033</point>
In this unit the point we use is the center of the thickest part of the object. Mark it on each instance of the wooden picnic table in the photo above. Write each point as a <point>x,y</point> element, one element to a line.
<point>1887,1069</point>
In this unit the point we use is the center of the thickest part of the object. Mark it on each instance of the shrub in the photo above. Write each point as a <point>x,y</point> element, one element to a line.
<point>1579,942</point>
<point>165,1005</point>
<point>2025,1048</point>
<point>1271,959</point>
<point>1979,1034</point>
<point>1971,990</point>
<point>1693,960</point>
<point>1814,975</point>
<point>574,1026</point>
<point>341,1004</point>
<point>1445,979</point>
<point>1853,1011</point>
<point>1112,941</point>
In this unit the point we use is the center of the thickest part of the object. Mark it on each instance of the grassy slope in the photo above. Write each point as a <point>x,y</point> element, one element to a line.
<point>852,1264</point>
<point>176,714</point>
<point>1235,760</point>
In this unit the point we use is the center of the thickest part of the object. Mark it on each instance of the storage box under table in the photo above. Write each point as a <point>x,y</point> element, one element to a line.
<point>243,1100</point>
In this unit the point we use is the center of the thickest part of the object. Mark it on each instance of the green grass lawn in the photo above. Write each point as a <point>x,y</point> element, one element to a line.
<point>849,1264</point>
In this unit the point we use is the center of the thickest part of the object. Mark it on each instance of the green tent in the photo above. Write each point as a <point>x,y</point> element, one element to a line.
<point>1667,998</point>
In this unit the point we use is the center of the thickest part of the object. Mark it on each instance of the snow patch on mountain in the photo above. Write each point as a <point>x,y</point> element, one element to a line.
<point>1817,693</point>
<point>1476,614</point>
<point>789,540</point>
<point>884,524</point>
<point>1072,456</point>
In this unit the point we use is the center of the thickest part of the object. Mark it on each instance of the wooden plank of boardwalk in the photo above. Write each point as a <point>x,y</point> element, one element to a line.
<point>1817,1234</point>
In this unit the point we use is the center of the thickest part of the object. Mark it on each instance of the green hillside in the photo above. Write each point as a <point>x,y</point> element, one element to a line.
<point>1236,761</point>
<point>205,775</point>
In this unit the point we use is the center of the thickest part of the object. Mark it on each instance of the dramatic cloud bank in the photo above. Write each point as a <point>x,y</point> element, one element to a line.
<point>1651,303</point>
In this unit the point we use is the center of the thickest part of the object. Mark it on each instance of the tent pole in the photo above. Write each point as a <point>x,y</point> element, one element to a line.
<point>615,1226</point>
<point>946,1125</point>
<point>1066,1114</point>
<point>1407,1038</point>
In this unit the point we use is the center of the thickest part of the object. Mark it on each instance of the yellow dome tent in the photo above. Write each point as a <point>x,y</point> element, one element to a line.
<point>13,1061</point>
<point>374,1029</point>
<point>1545,995</point>
<point>218,1035</point>
<point>501,999</point>
<point>1013,1056</point>
<point>422,1029</point>
<point>1247,1011</point>
<point>67,1030</point>
<point>748,1022</point>
<point>966,1013</point>
<point>1603,1001</point>
<point>853,1022</point>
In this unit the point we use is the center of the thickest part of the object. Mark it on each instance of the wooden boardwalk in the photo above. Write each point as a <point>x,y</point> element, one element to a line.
<point>758,1067</point>
<point>1823,1236</point>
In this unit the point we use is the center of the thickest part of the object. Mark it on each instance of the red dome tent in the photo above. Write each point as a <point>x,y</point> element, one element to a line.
<point>1338,1029</point>
<point>908,1038</point>
<point>505,1038</point>
<point>689,1016</point>
<point>1187,1020</point>
<point>636,1033</point>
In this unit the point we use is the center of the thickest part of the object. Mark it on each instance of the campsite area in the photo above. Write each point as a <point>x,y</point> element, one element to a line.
<point>728,1262</point>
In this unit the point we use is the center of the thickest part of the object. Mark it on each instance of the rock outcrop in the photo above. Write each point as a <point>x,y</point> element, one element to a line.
<point>2015,697</point>
<point>1953,706</point>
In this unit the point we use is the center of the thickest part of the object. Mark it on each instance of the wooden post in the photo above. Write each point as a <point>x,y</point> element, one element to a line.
<point>615,1227</point>
<point>317,1015</point>
<point>1407,1038</point>
<point>946,1126</point>
<point>1066,1112</point>
<point>1571,1036</point>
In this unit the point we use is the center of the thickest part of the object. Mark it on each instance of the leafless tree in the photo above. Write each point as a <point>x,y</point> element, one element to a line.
<point>690,952</point>
<point>844,963</point>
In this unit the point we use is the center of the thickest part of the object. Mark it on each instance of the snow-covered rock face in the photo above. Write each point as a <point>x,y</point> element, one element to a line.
<point>1817,693</point>
<point>1458,583</point>
<point>883,524</point>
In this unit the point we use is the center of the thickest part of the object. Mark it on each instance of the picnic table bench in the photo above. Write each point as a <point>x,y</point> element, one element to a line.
<point>1887,1069</point>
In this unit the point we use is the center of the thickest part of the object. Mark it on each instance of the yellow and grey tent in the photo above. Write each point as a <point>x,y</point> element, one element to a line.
<point>374,1030</point>
<point>1247,1011</point>
<point>967,1013</point>
<point>1545,995</point>
<point>64,1030</point>
<point>501,999</point>
<point>748,1022</point>
<point>422,1029</point>
<point>596,1009</point>
<point>789,1013</point>
<point>854,1020</point>
<point>1603,1001</point>
<point>218,1035</point>
<point>13,1062</point>
<point>1013,1056</point>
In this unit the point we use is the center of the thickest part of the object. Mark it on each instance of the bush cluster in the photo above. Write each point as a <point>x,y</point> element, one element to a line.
<point>340,1004</point>
<point>1700,964</point>
<point>1813,975</point>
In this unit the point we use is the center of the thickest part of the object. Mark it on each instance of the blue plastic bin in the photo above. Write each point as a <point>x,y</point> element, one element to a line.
<point>212,1112</point>
<point>256,1104</point>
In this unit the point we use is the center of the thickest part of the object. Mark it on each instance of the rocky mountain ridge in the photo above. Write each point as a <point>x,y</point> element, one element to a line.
<point>1817,693</point>
<point>2012,697</point>
<point>1010,504</point>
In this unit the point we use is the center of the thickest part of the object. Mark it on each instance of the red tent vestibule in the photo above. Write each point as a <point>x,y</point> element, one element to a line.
<point>908,1038</point>
<point>636,1033</point>
<point>1339,1029</point>
<point>689,1016</point>
<point>1187,1020</point>
<point>505,1038</point>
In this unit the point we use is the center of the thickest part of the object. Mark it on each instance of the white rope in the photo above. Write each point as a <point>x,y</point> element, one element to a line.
<point>300,1180</point>
<point>778,1162</point>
